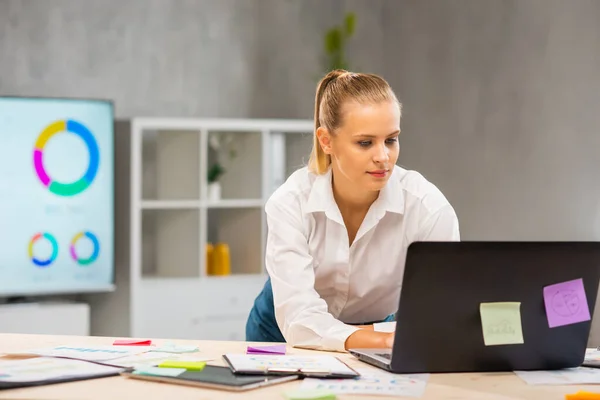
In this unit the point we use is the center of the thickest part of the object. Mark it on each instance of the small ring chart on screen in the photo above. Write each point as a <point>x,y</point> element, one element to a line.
<point>61,188</point>
<point>39,261</point>
<point>95,252</point>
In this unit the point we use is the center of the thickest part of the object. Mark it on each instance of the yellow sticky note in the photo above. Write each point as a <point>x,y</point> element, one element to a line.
<point>188,365</point>
<point>501,323</point>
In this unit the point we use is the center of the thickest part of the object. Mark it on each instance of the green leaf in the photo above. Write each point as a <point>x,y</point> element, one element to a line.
<point>333,40</point>
<point>350,24</point>
<point>215,171</point>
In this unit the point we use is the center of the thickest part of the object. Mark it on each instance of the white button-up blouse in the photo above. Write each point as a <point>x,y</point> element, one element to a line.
<point>321,285</point>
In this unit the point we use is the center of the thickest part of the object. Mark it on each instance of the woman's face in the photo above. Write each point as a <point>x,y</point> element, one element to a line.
<point>365,148</point>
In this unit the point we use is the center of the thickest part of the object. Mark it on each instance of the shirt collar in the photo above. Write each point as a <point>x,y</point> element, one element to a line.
<point>391,197</point>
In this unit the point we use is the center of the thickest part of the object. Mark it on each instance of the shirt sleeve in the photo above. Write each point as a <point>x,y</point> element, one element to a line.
<point>301,314</point>
<point>441,226</point>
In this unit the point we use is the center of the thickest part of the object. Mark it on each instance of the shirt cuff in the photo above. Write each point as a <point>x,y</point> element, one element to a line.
<point>384,326</point>
<point>337,336</point>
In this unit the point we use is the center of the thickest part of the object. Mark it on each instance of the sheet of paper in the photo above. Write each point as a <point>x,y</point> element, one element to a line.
<point>262,362</point>
<point>385,326</point>
<point>592,354</point>
<point>566,303</point>
<point>310,395</point>
<point>175,348</point>
<point>277,349</point>
<point>372,382</point>
<point>570,376</point>
<point>95,353</point>
<point>501,323</point>
<point>41,368</point>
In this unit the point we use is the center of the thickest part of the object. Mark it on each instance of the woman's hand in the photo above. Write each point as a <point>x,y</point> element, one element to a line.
<point>369,339</point>
<point>389,340</point>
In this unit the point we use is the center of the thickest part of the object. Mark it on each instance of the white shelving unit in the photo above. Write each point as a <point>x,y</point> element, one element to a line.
<point>172,219</point>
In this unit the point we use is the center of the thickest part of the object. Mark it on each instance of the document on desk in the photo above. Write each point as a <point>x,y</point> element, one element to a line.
<point>93,353</point>
<point>39,370</point>
<point>323,365</point>
<point>372,382</point>
<point>568,376</point>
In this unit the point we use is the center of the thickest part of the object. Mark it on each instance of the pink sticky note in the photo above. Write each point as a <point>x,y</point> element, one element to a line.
<point>566,303</point>
<point>277,349</point>
<point>132,342</point>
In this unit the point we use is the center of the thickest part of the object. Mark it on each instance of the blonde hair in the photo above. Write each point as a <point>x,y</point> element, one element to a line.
<point>333,91</point>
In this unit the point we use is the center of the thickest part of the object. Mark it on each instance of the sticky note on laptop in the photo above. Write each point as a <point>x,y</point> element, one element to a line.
<point>501,323</point>
<point>566,303</point>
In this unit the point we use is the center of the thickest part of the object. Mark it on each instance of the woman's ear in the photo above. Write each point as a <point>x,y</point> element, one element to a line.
<point>324,139</point>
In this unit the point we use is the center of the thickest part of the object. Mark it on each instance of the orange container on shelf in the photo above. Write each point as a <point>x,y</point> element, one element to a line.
<point>221,263</point>
<point>210,251</point>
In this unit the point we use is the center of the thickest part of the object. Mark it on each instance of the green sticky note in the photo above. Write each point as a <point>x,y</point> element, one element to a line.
<point>313,394</point>
<point>501,323</point>
<point>188,365</point>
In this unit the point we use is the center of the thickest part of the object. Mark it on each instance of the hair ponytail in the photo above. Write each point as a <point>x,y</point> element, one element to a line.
<point>335,88</point>
<point>319,161</point>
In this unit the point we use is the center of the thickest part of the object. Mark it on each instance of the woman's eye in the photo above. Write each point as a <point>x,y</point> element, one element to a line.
<point>364,143</point>
<point>391,140</point>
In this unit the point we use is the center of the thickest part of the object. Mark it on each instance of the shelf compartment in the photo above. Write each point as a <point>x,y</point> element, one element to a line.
<point>240,154</point>
<point>241,230</point>
<point>171,165</point>
<point>170,242</point>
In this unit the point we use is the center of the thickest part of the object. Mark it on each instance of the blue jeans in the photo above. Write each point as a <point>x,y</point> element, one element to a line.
<point>262,326</point>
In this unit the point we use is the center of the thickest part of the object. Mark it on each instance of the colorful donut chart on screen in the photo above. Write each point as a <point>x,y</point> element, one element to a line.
<point>96,251</point>
<point>38,261</point>
<point>62,188</point>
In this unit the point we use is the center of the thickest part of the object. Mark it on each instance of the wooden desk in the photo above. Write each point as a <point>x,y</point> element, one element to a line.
<point>476,386</point>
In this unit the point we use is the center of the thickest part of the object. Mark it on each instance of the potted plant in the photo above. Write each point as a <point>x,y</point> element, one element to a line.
<point>214,186</point>
<point>335,41</point>
<point>216,170</point>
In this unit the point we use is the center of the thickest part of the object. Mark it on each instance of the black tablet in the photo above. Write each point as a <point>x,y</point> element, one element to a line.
<point>215,377</point>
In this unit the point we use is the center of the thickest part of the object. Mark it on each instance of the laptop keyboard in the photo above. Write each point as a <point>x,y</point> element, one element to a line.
<point>384,355</point>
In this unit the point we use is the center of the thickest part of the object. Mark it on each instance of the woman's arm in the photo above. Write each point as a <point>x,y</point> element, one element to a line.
<point>302,315</point>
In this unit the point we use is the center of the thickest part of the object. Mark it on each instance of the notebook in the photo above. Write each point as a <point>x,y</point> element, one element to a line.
<point>322,366</point>
<point>44,371</point>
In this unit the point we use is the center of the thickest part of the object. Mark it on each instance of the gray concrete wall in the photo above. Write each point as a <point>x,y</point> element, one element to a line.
<point>501,97</point>
<point>180,58</point>
<point>501,112</point>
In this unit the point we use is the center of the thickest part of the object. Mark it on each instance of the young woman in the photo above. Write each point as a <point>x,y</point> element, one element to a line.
<point>338,229</point>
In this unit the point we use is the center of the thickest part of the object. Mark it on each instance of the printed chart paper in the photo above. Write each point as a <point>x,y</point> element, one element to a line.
<point>372,383</point>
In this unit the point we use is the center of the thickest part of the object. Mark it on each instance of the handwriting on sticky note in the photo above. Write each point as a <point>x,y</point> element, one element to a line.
<point>501,323</point>
<point>277,349</point>
<point>566,303</point>
<point>132,342</point>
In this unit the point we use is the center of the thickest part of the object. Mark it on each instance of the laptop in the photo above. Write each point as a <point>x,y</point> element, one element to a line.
<point>439,324</point>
